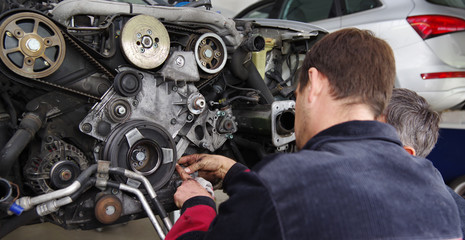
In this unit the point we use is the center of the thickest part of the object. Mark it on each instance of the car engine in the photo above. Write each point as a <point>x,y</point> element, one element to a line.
<point>99,99</point>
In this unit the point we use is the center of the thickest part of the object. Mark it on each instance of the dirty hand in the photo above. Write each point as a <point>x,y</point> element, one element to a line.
<point>210,167</point>
<point>188,189</point>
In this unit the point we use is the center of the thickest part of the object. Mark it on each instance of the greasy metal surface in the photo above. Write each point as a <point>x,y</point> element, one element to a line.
<point>145,41</point>
<point>41,48</point>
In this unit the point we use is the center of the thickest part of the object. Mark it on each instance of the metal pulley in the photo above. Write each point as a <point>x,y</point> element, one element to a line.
<point>32,46</point>
<point>145,41</point>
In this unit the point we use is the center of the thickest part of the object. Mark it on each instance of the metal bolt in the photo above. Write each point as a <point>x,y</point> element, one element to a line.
<point>120,110</point>
<point>86,127</point>
<point>146,41</point>
<point>180,61</point>
<point>139,35</point>
<point>208,53</point>
<point>217,53</point>
<point>205,145</point>
<point>9,34</point>
<point>46,63</point>
<point>173,121</point>
<point>149,32</point>
<point>114,191</point>
<point>155,45</point>
<point>142,50</point>
<point>33,45</point>
<point>110,210</point>
<point>140,156</point>
<point>190,117</point>
<point>203,63</point>
<point>199,103</point>
<point>175,88</point>
<point>65,175</point>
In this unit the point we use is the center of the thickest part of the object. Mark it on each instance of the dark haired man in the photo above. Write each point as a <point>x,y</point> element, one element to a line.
<point>351,178</point>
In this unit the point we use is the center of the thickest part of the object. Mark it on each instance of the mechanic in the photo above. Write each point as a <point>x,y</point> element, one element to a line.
<point>351,178</point>
<point>418,128</point>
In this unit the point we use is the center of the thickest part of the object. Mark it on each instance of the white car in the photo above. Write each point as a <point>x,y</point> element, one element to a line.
<point>427,36</point>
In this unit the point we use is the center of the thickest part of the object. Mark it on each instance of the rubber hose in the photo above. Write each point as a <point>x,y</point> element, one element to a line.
<point>29,126</point>
<point>18,221</point>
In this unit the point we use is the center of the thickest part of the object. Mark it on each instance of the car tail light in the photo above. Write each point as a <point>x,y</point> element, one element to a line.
<point>427,76</point>
<point>428,26</point>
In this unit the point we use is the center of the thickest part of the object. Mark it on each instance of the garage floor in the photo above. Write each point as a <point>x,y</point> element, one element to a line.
<point>139,229</point>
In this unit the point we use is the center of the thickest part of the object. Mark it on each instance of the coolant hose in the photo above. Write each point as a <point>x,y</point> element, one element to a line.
<point>18,221</point>
<point>28,127</point>
<point>244,69</point>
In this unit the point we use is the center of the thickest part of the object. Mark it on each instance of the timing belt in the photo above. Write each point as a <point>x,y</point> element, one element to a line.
<point>86,55</point>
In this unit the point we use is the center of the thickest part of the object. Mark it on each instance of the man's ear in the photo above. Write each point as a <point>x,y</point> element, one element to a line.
<point>410,150</point>
<point>316,82</point>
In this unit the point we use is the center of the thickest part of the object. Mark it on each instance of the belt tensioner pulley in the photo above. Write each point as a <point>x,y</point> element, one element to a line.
<point>210,53</point>
<point>31,45</point>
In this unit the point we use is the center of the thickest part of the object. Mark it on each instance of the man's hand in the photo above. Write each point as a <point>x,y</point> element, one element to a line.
<point>188,189</point>
<point>210,167</point>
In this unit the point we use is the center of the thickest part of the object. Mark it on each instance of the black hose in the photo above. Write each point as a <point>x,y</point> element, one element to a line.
<point>12,111</point>
<point>83,188</point>
<point>85,175</point>
<point>28,127</point>
<point>247,71</point>
<point>18,221</point>
<point>159,208</point>
<point>255,81</point>
<point>237,64</point>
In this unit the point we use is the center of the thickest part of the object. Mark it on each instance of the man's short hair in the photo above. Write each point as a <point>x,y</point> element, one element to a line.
<point>416,124</point>
<point>359,66</point>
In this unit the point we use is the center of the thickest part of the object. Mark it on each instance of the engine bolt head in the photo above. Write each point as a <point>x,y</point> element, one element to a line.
<point>86,127</point>
<point>139,35</point>
<point>190,117</point>
<point>208,53</point>
<point>149,32</point>
<point>173,121</point>
<point>199,103</point>
<point>180,61</point>
<point>66,175</point>
<point>140,156</point>
<point>110,210</point>
<point>120,110</point>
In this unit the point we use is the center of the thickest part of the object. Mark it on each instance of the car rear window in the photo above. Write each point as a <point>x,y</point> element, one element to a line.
<point>449,3</point>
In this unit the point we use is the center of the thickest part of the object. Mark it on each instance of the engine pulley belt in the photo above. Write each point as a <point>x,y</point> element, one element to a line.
<point>92,60</point>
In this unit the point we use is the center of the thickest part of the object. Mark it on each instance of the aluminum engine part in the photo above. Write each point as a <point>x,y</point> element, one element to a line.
<point>158,101</point>
<point>181,66</point>
<point>212,129</point>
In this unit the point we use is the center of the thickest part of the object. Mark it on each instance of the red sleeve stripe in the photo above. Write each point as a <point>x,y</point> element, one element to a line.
<point>196,218</point>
